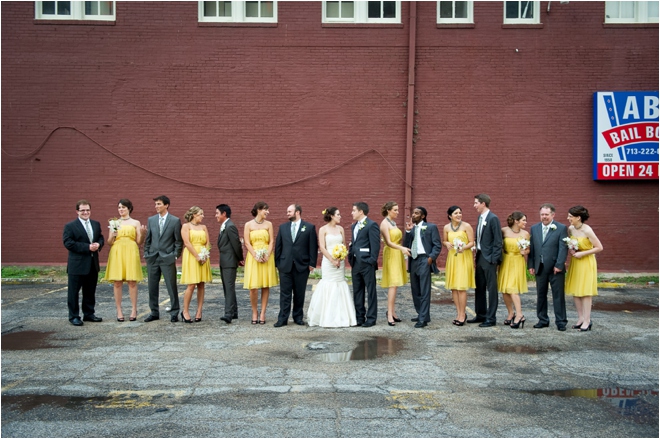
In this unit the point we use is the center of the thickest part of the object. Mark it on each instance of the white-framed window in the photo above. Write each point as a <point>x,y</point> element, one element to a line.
<point>522,12</point>
<point>72,10</point>
<point>361,12</point>
<point>631,12</point>
<point>238,11</point>
<point>455,12</point>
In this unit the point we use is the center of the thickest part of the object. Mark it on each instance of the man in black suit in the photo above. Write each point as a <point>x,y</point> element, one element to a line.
<point>83,238</point>
<point>231,254</point>
<point>423,239</point>
<point>363,257</point>
<point>162,248</point>
<point>489,256</point>
<point>296,252</point>
<point>547,256</point>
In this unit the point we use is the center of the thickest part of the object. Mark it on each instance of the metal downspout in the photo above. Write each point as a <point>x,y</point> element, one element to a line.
<point>412,42</point>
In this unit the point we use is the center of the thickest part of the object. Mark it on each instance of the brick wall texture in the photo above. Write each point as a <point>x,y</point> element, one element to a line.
<point>306,113</point>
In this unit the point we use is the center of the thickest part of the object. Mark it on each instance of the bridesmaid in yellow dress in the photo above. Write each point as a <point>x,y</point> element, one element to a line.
<point>512,276</point>
<point>124,258</point>
<point>260,272</point>
<point>394,265</point>
<point>459,269</point>
<point>195,263</point>
<point>582,277</point>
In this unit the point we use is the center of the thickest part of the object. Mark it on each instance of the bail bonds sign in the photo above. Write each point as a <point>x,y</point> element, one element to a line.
<point>626,135</point>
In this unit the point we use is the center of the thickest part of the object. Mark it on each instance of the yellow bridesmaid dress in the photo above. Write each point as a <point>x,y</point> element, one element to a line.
<point>124,257</point>
<point>582,275</point>
<point>459,268</point>
<point>394,264</point>
<point>192,272</point>
<point>512,277</point>
<point>260,274</point>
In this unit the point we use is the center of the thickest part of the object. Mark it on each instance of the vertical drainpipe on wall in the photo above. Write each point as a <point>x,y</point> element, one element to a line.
<point>412,41</point>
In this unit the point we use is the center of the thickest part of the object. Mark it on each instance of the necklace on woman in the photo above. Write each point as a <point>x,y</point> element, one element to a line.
<point>125,219</point>
<point>578,228</point>
<point>390,221</point>
<point>262,221</point>
<point>514,230</point>
<point>457,227</point>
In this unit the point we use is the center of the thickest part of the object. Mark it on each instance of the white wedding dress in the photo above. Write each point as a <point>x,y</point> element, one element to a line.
<point>332,304</point>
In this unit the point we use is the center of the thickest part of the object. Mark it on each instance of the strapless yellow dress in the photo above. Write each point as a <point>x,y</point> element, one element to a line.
<point>512,277</point>
<point>192,272</point>
<point>582,275</point>
<point>394,264</point>
<point>260,274</point>
<point>459,268</point>
<point>124,257</point>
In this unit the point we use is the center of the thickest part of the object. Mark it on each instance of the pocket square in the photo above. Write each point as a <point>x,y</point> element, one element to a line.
<point>365,250</point>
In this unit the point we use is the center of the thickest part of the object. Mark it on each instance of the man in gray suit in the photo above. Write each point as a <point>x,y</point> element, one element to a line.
<point>162,248</point>
<point>488,257</point>
<point>547,256</point>
<point>231,254</point>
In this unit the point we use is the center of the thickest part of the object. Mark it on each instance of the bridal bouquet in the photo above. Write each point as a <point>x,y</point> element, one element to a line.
<point>204,253</point>
<point>571,243</point>
<point>523,243</point>
<point>458,245</point>
<point>115,224</point>
<point>261,253</point>
<point>339,252</point>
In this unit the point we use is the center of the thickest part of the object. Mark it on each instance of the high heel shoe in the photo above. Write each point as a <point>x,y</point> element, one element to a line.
<point>131,318</point>
<point>459,323</point>
<point>120,319</point>
<point>396,319</point>
<point>185,319</point>
<point>520,324</point>
<point>588,328</point>
<point>391,323</point>
<point>198,319</point>
<point>509,321</point>
<point>577,326</point>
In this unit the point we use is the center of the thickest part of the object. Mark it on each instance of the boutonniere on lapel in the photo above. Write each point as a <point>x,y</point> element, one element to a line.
<point>552,227</point>
<point>361,224</point>
<point>483,224</point>
<point>422,229</point>
<point>303,228</point>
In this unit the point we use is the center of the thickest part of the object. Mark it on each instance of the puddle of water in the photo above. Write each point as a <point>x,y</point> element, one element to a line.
<point>448,301</point>
<point>525,349</point>
<point>26,403</point>
<point>627,403</point>
<point>625,306</point>
<point>366,350</point>
<point>26,341</point>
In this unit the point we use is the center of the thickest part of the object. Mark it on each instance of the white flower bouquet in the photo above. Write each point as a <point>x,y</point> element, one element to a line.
<point>261,253</point>
<point>339,252</point>
<point>115,224</point>
<point>204,253</point>
<point>571,243</point>
<point>458,245</point>
<point>523,243</point>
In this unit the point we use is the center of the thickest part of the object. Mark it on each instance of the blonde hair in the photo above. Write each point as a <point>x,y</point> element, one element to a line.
<point>191,213</point>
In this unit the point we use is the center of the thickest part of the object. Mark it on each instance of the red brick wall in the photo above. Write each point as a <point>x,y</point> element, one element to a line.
<point>315,115</point>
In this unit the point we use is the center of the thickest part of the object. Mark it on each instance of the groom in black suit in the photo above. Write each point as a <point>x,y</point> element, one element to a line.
<point>83,238</point>
<point>425,246</point>
<point>231,255</point>
<point>363,257</point>
<point>489,256</point>
<point>296,252</point>
<point>547,256</point>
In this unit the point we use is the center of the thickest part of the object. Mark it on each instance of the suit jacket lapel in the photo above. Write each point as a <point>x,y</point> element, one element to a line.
<point>81,229</point>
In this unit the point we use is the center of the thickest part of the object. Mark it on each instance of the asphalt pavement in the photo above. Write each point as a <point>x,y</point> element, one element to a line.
<point>211,379</point>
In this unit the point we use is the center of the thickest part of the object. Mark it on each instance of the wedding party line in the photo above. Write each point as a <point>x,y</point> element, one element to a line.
<point>488,258</point>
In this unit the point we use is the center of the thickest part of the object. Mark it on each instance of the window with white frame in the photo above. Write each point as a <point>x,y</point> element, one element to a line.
<point>238,11</point>
<point>631,12</point>
<point>95,10</point>
<point>361,12</point>
<point>455,12</point>
<point>522,12</point>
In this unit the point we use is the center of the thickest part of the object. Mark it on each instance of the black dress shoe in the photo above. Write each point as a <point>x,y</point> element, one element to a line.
<point>485,324</point>
<point>175,319</point>
<point>415,319</point>
<point>225,319</point>
<point>476,320</point>
<point>541,325</point>
<point>368,324</point>
<point>76,321</point>
<point>234,317</point>
<point>561,328</point>
<point>92,318</point>
<point>420,324</point>
<point>359,324</point>
<point>151,318</point>
<point>299,322</point>
<point>279,324</point>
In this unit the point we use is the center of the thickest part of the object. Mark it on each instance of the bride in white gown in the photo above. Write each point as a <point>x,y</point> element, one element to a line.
<point>332,304</point>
